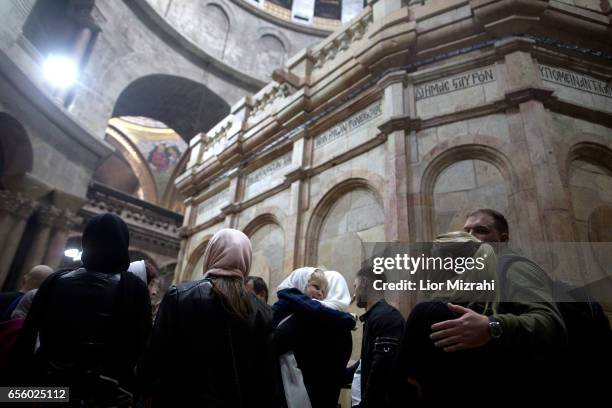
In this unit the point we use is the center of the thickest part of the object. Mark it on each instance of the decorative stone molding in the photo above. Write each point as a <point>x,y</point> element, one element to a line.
<point>342,41</point>
<point>276,92</point>
<point>220,134</point>
<point>17,204</point>
<point>156,226</point>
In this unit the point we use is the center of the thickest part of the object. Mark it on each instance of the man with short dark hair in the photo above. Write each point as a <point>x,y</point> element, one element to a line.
<point>529,319</point>
<point>382,329</point>
<point>526,331</point>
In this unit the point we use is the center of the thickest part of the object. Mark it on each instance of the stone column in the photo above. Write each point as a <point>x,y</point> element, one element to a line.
<point>46,217</point>
<point>231,211</point>
<point>17,210</point>
<point>396,199</point>
<point>179,270</point>
<point>58,238</point>
<point>535,130</point>
<point>294,247</point>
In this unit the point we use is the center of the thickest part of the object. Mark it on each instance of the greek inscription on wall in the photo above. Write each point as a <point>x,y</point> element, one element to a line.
<point>212,206</point>
<point>343,128</point>
<point>270,168</point>
<point>456,83</point>
<point>575,80</point>
<point>257,180</point>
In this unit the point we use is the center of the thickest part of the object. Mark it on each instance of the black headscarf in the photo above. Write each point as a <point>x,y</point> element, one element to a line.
<point>105,244</point>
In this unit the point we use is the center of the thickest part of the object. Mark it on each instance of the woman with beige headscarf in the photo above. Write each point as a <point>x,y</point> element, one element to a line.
<point>210,339</point>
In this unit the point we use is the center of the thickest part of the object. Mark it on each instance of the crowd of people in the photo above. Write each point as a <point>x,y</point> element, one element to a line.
<point>217,343</point>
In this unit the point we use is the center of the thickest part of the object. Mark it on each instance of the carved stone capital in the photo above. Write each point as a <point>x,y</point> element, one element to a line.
<point>17,204</point>
<point>49,215</point>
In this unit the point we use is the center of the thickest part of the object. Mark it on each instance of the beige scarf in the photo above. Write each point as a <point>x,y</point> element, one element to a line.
<point>228,254</point>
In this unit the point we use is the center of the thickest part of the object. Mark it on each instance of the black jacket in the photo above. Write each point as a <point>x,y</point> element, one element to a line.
<point>87,321</point>
<point>321,342</point>
<point>201,356</point>
<point>383,326</point>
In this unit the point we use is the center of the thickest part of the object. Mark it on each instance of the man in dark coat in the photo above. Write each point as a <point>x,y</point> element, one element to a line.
<point>382,330</point>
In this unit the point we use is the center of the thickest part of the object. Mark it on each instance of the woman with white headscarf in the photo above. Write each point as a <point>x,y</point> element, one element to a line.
<point>210,344</point>
<point>318,332</point>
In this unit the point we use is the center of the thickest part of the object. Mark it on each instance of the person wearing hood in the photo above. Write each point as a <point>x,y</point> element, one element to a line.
<point>317,332</point>
<point>92,322</point>
<point>210,343</point>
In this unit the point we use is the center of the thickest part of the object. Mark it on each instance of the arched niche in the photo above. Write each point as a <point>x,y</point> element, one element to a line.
<point>193,268</point>
<point>347,216</point>
<point>16,157</point>
<point>464,186</point>
<point>268,244</point>
<point>216,29</point>
<point>272,53</point>
<point>590,185</point>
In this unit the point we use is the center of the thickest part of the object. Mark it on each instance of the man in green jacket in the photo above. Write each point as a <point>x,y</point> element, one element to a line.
<point>529,325</point>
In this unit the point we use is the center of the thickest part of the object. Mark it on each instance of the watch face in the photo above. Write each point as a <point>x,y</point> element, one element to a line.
<point>496,330</point>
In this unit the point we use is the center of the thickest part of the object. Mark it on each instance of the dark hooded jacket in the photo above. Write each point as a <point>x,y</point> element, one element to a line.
<point>93,319</point>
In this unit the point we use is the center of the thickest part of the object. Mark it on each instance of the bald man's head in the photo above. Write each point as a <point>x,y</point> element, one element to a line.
<point>35,278</point>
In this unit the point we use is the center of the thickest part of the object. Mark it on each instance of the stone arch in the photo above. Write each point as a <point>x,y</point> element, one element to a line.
<point>194,258</point>
<point>331,199</point>
<point>129,153</point>
<point>184,105</point>
<point>589,172</point>
<point>589,180</point>
<point>440,159</point>
<point>16,157</point>
<point>172,198</point>
<point>348,214</point>
<point>268,242</point>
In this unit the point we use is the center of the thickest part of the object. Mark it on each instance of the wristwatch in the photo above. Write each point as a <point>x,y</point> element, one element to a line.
<point>495,328</point>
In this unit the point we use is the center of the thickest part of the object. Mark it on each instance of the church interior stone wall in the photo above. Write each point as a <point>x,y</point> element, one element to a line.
<point>389,131</point>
